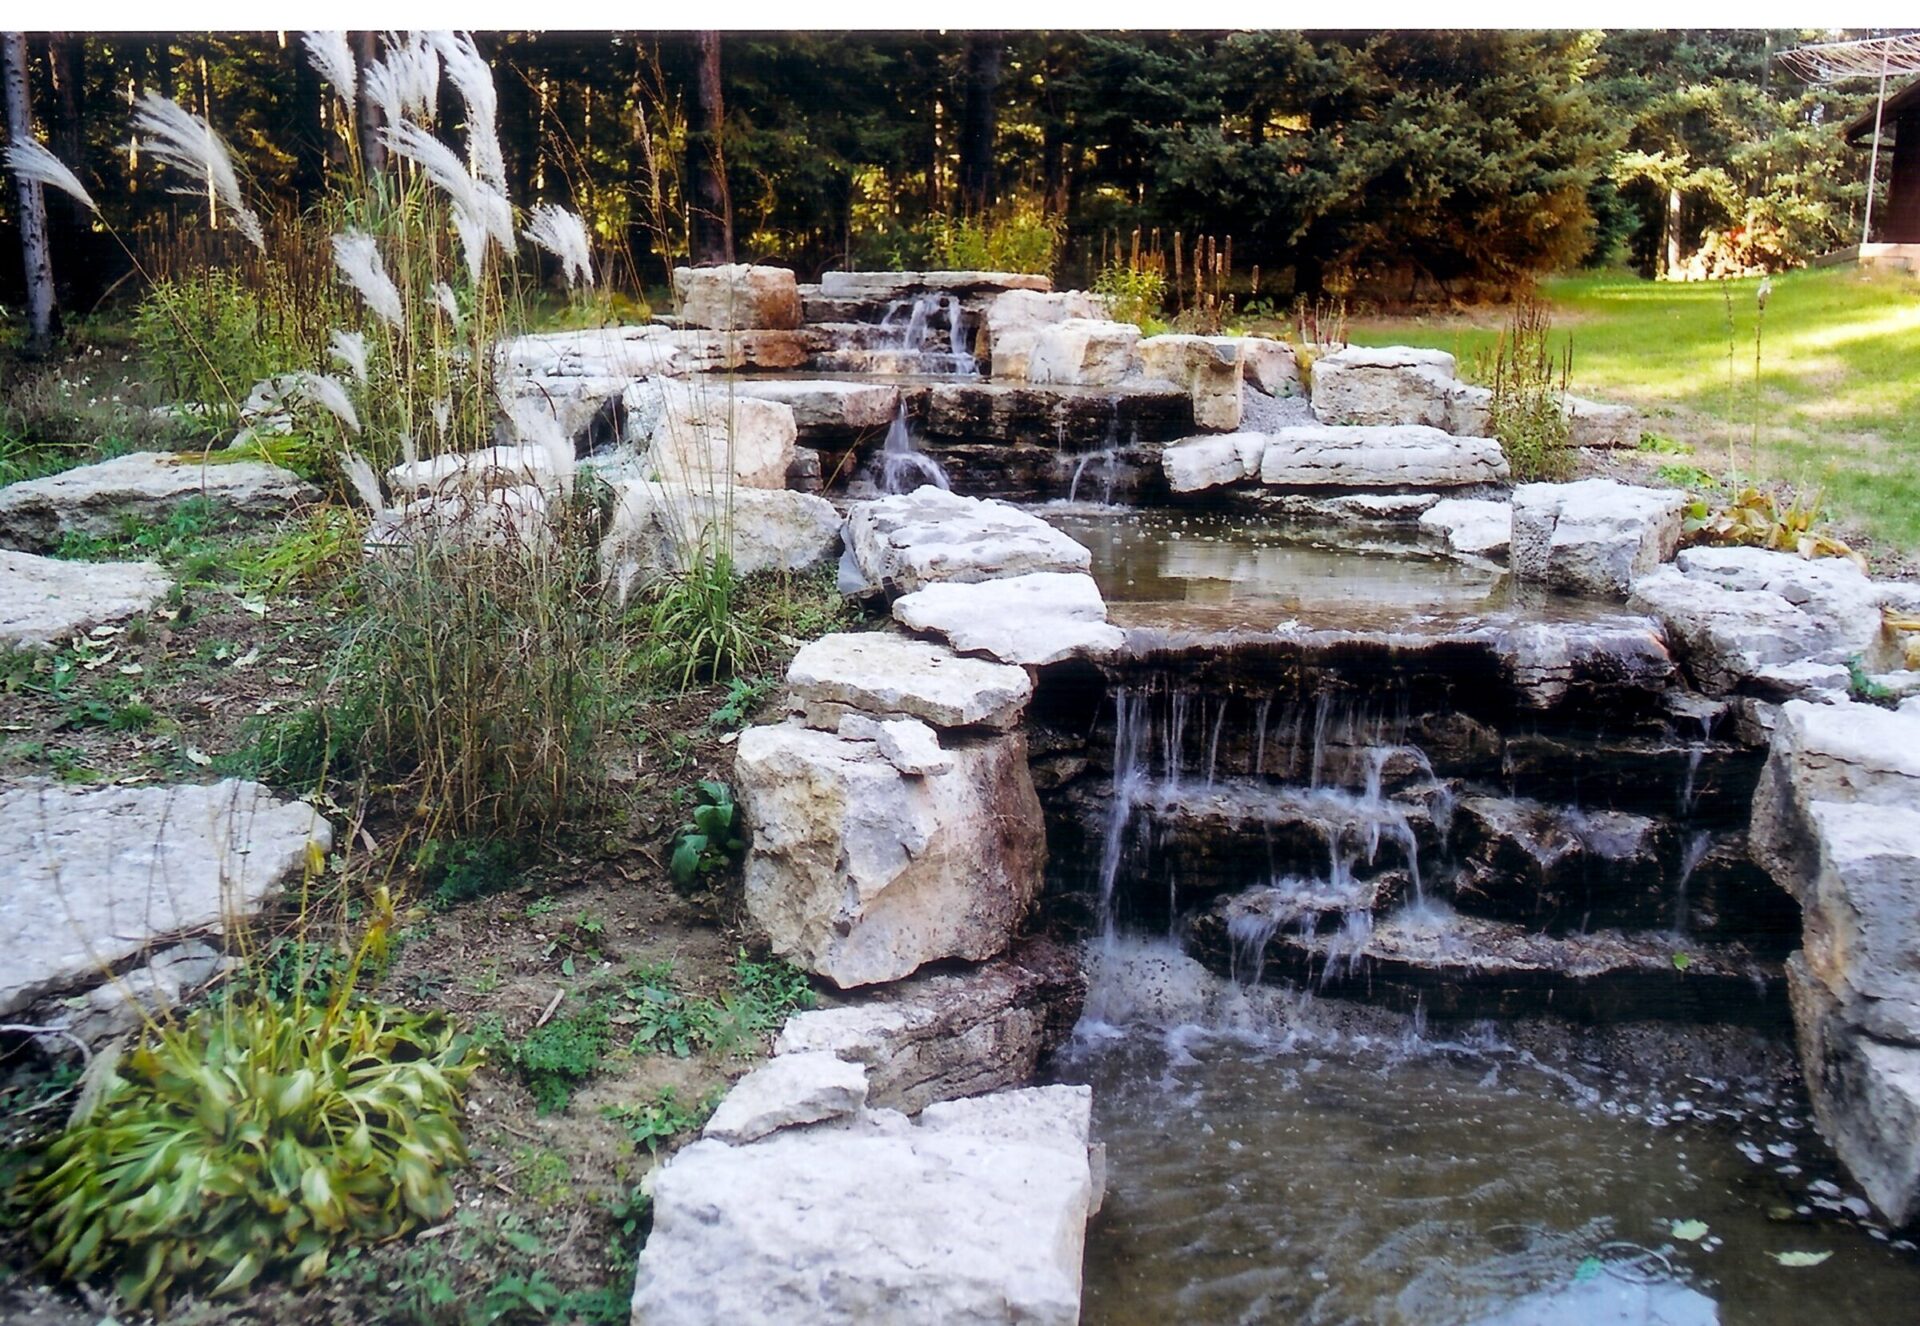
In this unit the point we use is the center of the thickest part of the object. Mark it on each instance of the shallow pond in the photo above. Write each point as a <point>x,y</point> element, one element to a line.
<point>1323,1163</point>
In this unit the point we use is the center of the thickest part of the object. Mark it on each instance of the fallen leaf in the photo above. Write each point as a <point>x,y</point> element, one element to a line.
<point>93,664</point>
<point>131,669</point>
<point>1681,961</point>
<point>102,632</point>
<point>1800,1258</point>
<point>197,756</point>
<point>248,659</point>
<point>258,607</point>
<point>1689,1231</point>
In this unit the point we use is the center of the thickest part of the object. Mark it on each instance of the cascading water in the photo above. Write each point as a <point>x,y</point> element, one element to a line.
<point>903,467</point>
<point>912,324</point>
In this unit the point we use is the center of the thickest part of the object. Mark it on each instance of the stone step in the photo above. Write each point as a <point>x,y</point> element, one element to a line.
<point>44,601</point>
<point>143,487</point>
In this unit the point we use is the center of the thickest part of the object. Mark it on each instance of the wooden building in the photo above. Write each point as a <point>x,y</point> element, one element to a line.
<point>1897,219</point>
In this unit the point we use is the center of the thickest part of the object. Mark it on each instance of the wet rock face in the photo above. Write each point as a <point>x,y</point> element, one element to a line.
<point>1561,871</point>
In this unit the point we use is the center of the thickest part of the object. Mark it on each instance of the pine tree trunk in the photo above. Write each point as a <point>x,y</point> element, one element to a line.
<point>373,152</point>
<point>27,196</point>
<point>1673,233</point>
<point>978,121</point>
<point>712,222</point>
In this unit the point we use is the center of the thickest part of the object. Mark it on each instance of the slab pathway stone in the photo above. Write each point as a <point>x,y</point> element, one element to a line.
<point>91,876</point>
<point>46,600</point>
<point>144,486</point>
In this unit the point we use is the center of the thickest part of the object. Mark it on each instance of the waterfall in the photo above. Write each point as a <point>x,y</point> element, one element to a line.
<point>903,467</point>
<point>912,323</point>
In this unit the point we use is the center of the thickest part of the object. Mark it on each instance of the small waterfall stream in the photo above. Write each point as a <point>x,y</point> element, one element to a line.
<point>903,466</point>
<point>916,336</point>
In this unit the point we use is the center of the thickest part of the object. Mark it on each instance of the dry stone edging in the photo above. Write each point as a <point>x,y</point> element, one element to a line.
<point>899,544</point>
<point>1034,620</point>
<point>1593,536</point>
<point>1835,823</point>
<point>46,600</point>
<point>89,877</point>
<point>142,486</point>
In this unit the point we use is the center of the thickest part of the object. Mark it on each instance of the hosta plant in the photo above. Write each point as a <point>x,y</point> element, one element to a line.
<point>260,1135</point>
<point>1754,519</point>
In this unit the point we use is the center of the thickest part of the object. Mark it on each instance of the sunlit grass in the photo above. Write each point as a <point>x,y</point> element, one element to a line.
<point>1838,400</point>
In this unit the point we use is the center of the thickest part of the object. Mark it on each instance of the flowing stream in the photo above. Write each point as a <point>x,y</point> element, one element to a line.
<point>1280,1155</point>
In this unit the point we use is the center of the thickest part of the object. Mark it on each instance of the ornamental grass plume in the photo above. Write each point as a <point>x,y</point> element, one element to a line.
<point>358,257</point>
<point>564,235</point>
<point>30,161</point>
<point>332,59</point>
<point>177,137</point>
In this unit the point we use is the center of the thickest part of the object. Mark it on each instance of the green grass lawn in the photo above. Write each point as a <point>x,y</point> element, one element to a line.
<point>1837,405</point>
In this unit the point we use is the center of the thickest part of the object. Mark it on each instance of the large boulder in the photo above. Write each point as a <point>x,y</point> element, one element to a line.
<point>863,874</point>
<point>142,487</point>
<point>661,528</point>
<point>884,675</point>
<point>941,1035</point>
<point>1402,456</point>
<point>1084,352</point>
<point>44,600</point>
<point>975,1213</point>
<point>902,543</point>
<point>1208,367</point>
<point>737,297</point>
<point>709,436</point>
<point>89,877</point>
<point>1594,536</point>
<point>1032,620</point>
<point>622,353</point>
<point>1016,318</point>
<point>1393,385</point>
<point>472,473</point>
<point>1835,823</point>
<point>1833,591</point>
<point>1268,365</point>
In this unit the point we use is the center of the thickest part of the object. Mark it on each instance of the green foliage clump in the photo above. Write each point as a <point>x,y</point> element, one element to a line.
<point>1754,518</point>
<point>710,840</point>
<point>1022,237</point>
<point>207,337</point>
<point>693,632</point>
<point>261,1134</point>
<point>554,1060</point>
<point>460,870</point>
<point>1134,294</point>
<point>1862,687</point>
<point>657,1122</point>
<point>1528,412</point>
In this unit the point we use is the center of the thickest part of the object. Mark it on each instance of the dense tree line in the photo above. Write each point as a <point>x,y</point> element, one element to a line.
<point>1405,162</point>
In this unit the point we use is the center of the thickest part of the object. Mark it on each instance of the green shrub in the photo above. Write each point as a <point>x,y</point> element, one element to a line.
<point>1021,237</point>
<point>207,338</point>
<point>462,870</point>
<point>1135,293</point>
<point>693,632</point>
<point>1528,412</point>
<point>262,1134</point>
<point>554,1060</point>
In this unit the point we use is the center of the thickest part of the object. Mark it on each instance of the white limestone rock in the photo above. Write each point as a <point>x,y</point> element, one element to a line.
<point>660,528</point>
<point>827,406</point>
<point>1084,352</point>
<point>1208,367</point>
<point>884,285</point>
<point>1601,423</point>
<point>1594,536</point>
<point>141,487</point>
<point>788,1089</point>
<point>1016,318</point>
<point>976,1215</point>
<point>904,542</point>
<point>863,874</point>
<point>1391,385</point>
<point>1401,456</point>
<point>912,747</point>
<point>1032,620</point>
<point>737,297</point>
<point>1471,527</point>
<point>623,353</point>
<point>1833,591</point>
<point>91,876</point>
<point>513,516</point>
<point>709,436</point>
<point>475,472</point>
<point>44,600</point>
<point>894,676</point>
<point>1196,464</point>
<point>571,403</point>
<point>1268,365</point>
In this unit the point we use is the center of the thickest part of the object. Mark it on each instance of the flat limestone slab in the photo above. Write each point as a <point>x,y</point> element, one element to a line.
<point>143,486</point>
<point>823,405</point>
<point>976,1213</point>
<point>43,600</point>
<point>915,539</point>
<point>893,676</point>
<point>1032,620</point>
<point>91,876</point>
<point>1379,456</point>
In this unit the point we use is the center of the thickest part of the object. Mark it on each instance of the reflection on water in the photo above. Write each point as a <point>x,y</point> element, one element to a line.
<point>1323,1177</point>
